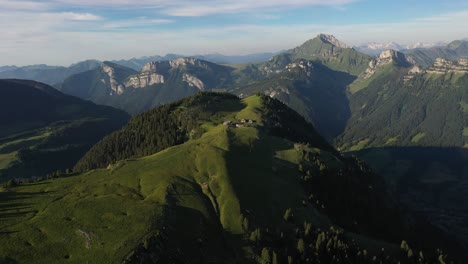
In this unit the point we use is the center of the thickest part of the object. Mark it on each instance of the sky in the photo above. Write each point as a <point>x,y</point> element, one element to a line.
<point>61,32</point>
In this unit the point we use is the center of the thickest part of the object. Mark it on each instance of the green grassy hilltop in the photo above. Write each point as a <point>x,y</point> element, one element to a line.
<point>269,188</point>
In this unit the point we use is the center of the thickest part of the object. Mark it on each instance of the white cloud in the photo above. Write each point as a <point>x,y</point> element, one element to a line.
<point>79,16</point>
<point>188,8</point>
<point>133,23</point>
<point>204,8</point>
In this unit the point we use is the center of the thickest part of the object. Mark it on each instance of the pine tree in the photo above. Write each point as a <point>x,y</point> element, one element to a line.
<point>300,246</point>
<point>265,257</point>
<point>288,215</point>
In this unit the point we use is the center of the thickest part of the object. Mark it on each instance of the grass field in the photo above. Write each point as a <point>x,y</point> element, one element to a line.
<point>193,197</point>
<point>80,218</point>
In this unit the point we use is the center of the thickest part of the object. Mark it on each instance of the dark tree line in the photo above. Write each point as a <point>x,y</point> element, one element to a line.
<point>153,131</point>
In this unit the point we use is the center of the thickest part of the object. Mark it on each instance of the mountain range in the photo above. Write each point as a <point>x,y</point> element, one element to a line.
<point>53,75</point>
<point>326,81</point>
<point>157,83</point>
<point>263,156</point>
<point>47,74</point>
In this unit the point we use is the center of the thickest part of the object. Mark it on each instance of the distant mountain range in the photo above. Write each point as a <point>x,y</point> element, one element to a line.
<point>423,53</point>
<point>47,74</point>
<point>138,63</point>
<point>53,75</point>
<point>375,48</point>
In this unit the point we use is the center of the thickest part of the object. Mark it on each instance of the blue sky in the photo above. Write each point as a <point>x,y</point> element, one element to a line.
<point>61,32</point>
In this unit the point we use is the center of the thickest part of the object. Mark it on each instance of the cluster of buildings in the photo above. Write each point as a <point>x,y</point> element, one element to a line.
<point>242,123</point>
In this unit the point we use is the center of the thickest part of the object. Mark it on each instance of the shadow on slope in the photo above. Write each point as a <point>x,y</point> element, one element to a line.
<point>314,91</point>
<point>432,181</point>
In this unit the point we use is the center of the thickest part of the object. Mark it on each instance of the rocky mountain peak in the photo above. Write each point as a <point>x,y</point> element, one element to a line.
<point>148,76</point>
<point>387,57</point>
<point>150,67</point>
<point>394,56</point>
<point>330,39</point>
<point>157,72</point>
<point>161,66</point>
<point>116,87</point>
<point>183,62</point>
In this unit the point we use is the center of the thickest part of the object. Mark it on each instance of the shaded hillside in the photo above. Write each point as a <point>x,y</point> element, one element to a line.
<point>313,90</point>
<point>234,194</point>
<point>428,108</point>
<point>430,180</point>
<point>98,84</point>
<point>43,130</point>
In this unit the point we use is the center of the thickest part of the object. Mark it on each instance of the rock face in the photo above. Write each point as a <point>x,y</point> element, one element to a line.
<point>148,76</point>
<point>443,66</point>
<point>193,81</point>
<point>117,88</point>
<point>303,65</point>
<point>413,72</point>
<point>157,72</point>
<point>186,61</point>
<point>385,58</point>
<point>332,40</point>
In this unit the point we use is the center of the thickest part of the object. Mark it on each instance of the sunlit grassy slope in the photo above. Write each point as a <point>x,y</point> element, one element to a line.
<point>104,214</point>
<point>206,200</point>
